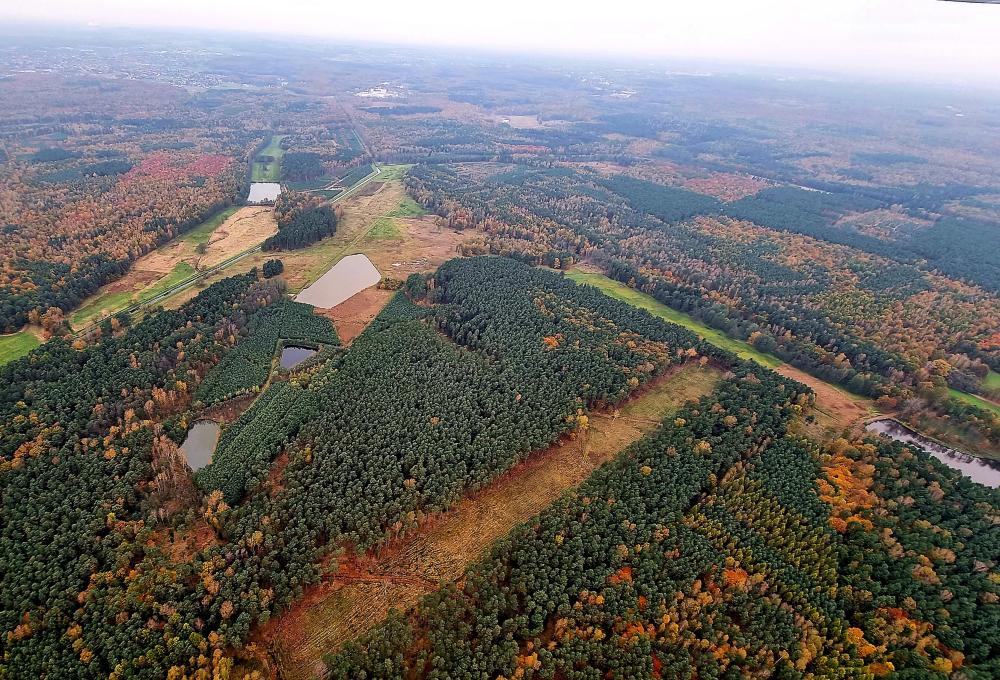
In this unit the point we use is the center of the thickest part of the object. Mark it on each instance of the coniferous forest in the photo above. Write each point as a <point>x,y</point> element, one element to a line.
<point>606,415</point>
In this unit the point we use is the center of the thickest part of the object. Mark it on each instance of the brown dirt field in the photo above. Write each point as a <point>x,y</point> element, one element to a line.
<point>364,588</point>
<point>245,228</point>
<point>353,315</point>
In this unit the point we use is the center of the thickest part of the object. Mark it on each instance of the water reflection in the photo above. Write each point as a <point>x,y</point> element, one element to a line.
<point>980,470</point>
<point>199,445</point>
<point>293,356</point>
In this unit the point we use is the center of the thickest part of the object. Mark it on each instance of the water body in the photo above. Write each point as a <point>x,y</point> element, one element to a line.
<point>263,191</point>
<point>351,275</point>
<point>980,470</point>
<point>199,445</point>
<point>293,356</point>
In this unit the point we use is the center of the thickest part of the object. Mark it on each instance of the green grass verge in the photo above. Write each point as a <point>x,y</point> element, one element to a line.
<point>393,172</point>
<point>115,302</point>
<point>639,299</point>
<point>269,172</point>
<point>992,381</point>
<point>384,229</point>
<point>974,400</point>
<point>408,208</point>
<point>203,232</point>
<point>16,345</point>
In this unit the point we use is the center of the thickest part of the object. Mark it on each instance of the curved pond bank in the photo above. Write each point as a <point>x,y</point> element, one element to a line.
<point>292,355</point>
<point>199,445</point>
<point>351,275</point>
<point>980,470</point>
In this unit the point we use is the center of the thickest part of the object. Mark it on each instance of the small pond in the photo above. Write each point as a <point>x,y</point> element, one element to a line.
<point>199,445</point>
<point>979,470</point>
<point>263,191</point>
<point>293,356</point>
<point>351,275</point>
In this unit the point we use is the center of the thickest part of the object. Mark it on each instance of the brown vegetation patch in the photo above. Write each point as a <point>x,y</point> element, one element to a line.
<point>244,229</point>
<point>353,315</point>
<point>364,588</point>
<point>183,544</point>
<point>727,186</point>
<point>835,411</point>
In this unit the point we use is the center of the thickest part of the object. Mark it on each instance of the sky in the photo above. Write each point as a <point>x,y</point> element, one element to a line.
<point>915,40</point>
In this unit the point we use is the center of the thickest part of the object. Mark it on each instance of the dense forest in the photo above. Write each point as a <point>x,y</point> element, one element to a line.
<point>430,402</point>
<point>847,230</point>
<point>884,328</point>
<point>303,219</point>
<point>720,547</point>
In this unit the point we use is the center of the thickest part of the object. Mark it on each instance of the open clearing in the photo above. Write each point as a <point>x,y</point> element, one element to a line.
<point>639,299</point>
<point>383,224</point>
<point>361,592</point>
<point>836,409</point>
<point>16,345</point>
<point>230,232</point>
<point>269,171</point>
<point>975,400</point>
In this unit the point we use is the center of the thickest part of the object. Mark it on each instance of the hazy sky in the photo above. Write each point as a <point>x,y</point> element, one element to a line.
<point>915,39</point>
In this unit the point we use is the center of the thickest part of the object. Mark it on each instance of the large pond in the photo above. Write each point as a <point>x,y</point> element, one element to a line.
<point>263,191</point>
<point>293,356</point>
<point>199,445</point>
<point>980,470</point>
<point>351,275</point>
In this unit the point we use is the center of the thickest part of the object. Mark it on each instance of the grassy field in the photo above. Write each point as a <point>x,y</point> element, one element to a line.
<point>269,172</point>
<point>203,232</point>
<point>16,345</point>
<point>408,208</point>
<point>393,172</point>
<point>638,299</point>
<point>975,401</point>
<point>116,301</point>
<point>385,228</point>
<point>992,381</point>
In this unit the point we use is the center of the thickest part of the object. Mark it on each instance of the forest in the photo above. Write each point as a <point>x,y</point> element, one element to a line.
<point>846,230</point>
<point>303,219</point>
<point>848,316</point>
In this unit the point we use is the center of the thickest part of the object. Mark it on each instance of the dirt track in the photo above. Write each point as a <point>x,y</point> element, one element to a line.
<point>359,595</point>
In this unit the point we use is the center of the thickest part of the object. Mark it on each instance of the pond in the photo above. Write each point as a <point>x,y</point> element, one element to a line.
<point>351,275</point>
<point>263,191</point>
<point>980,470</point>
<point>293,356</point>
<point>199,445</point>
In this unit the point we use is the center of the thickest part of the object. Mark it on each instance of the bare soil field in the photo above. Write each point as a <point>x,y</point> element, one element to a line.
<point>363,588</point>
<point>353,315</point>
<point>244,229</point>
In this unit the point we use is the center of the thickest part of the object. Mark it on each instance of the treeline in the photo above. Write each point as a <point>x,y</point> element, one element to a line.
<point>80,453</point>
<point>302,219</point>
<point>586,589</point>
<point>720,547</point>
